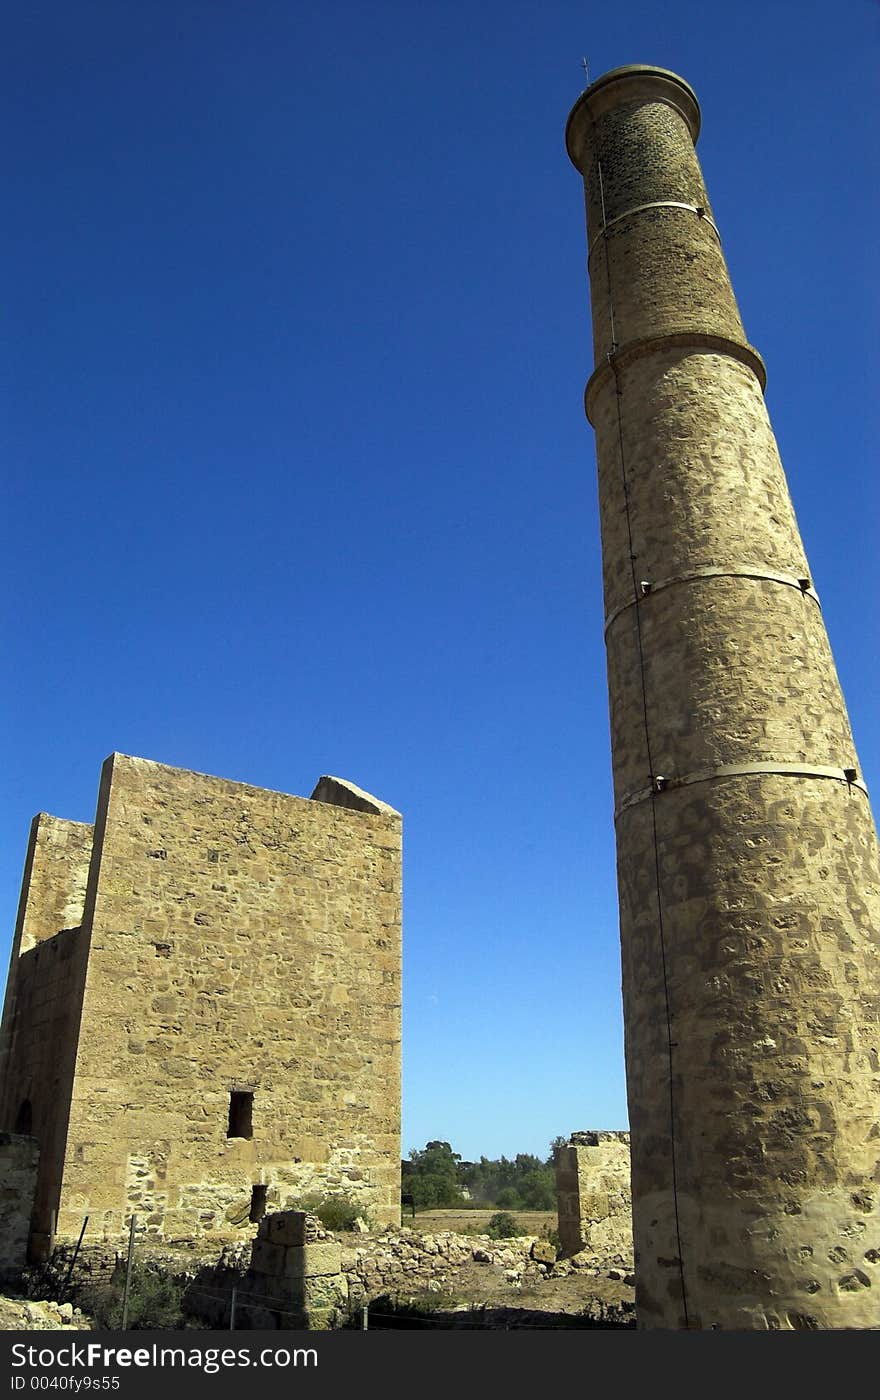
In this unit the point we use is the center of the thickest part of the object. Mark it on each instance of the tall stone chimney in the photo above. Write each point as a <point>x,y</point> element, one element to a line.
<point>747,856</point>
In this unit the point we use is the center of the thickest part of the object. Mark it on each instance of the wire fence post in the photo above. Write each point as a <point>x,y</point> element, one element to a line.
<point>232,1309</point>
<point>365,1317</point>
<point>66,1283</point>
<point>128,1273</point>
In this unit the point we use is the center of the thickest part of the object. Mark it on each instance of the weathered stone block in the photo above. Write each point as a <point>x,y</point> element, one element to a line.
<point>309,1260</point>
<point>288,1227</point>
<point>593,1188</point>
<point>594,1205</point>
<point>267,1258</point>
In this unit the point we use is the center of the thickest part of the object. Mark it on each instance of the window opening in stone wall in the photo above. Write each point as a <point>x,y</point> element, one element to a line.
<point>258,1202</point>
<point>241,1111</point>
<point>24,1121</point>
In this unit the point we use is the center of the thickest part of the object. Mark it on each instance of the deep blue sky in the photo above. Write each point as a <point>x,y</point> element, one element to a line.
<point>298,481</point>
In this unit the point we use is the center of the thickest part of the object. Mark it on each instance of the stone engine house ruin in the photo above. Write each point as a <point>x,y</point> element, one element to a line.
<point>202,1017</point>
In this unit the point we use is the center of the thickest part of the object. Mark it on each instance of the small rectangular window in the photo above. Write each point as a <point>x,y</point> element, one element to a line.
<point>241,1113</point>
<point>258,1202</point>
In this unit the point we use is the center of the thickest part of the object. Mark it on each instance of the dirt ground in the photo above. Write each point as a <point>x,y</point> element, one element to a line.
<point>487,1286</point>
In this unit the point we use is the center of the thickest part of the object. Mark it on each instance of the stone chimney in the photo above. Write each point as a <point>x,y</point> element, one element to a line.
<point>747,856</point>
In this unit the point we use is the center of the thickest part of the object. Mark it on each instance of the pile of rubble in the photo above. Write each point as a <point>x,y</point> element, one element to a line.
<point>30,1315</point>
<point>405,1261</point>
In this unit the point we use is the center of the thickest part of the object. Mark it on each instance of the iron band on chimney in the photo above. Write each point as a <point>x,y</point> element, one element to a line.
<point>803,585</point>
<point>654,204</point>
<point>739,770</point>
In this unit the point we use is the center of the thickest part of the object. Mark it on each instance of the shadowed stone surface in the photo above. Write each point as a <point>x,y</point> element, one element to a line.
<point>19,1157</point>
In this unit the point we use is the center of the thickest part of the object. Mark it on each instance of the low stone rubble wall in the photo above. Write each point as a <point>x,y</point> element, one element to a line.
<point>403,1263</point>
<point>323,1281</point>
<point>297,1274</point>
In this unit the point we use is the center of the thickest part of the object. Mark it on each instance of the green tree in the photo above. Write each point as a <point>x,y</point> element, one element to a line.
<point>555,1148</point>
<point>524,1182</point>
<point>431,1177</point>
<point>538,1189</point>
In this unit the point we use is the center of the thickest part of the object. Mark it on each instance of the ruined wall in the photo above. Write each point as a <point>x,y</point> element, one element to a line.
<point>19,1157</point>
<point>594,1203</point>
<point>52,894</point>
<point>298,1274</point>
<point>295,1277</point>
<point>242,941</point>
<point>56,874</point>
<point>49,981</point>
<point>226,1018</point>
<point>43,1000</point>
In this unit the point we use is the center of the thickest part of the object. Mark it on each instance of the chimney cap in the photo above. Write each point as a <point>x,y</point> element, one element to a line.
<point>630,83</point>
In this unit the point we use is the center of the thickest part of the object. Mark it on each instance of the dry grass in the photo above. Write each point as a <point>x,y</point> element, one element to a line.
<point>474,1222</point>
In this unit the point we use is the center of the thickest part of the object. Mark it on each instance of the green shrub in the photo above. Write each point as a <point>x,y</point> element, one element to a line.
<point>502,1226</point>
<point>335,1212</point>
<point>155,1301</point>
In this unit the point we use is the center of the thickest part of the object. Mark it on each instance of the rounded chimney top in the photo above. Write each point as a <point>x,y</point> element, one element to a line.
<point>633,83</point>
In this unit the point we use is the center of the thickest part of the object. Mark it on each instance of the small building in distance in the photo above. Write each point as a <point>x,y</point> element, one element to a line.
<point>202,1017</point>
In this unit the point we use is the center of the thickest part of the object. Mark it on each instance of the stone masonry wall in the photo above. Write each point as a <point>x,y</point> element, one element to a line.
<point>406,1264</point>
<point>49,980</point>
<point>237,942</point>
<point>51,903</point>
<point>293,1279</point>
<point>19,1157</point>
<point>43,999</point>
<point>242,941</point>
<point>594,1202</point>
<point>56,876</point>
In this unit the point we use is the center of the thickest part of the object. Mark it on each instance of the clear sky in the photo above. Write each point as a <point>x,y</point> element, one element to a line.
<point>296,470</point>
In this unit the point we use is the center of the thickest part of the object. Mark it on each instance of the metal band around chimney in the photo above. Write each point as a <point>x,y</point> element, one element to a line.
<point>619,357</point>
<point>728,571</point>
<point>848,776</point>
<point>654,204</point>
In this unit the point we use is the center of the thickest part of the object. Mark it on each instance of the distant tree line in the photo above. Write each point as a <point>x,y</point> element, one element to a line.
<point>436,1178</point>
